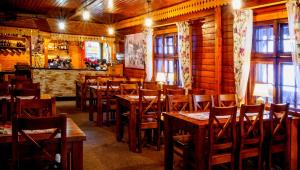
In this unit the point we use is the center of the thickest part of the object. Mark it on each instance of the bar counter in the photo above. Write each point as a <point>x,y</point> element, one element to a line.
<point>59,82</point>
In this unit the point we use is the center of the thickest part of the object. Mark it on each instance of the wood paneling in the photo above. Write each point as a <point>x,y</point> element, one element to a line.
<point>228,85</point>
<point>203,52</point>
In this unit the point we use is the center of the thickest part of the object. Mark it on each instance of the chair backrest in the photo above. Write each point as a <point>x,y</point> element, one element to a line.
<point>222,130</point>
<point>121,79</point>
<point>129,89</point>
<point>102,81</point>
<point>227,100</point>
<point>22,130</point>
<point>27,85</point>
<point>202,103</point>
<point>179,91</point>
<point>196,91</point>
<point>279,121</point>
<point>251,125</point>
<point>149,101</point>
<point>36,107</point>
<point>151,85</point>
<point>165,87</point>
<point>179,103</point>
<point>26,93</point>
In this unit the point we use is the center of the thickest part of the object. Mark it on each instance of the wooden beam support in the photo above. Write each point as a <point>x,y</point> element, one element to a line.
<point>218,49</point>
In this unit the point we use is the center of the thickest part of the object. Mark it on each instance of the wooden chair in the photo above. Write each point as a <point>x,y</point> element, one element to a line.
<point>179,91</point>
<point>149,114</point>
<point>279,134</point>
<point>225,100</point>
<point>251,134</point>
<point>129,89</point>
<point>113,88</point>
<point>202,103</point>
<point>196,91</point>
<point>151,85</point>
<point>179,103</point>
<point>165,87</point>
<point>222,136</point>
<point>23,94</point>
<point>88,80</point>
<point>26,85</point>
<point>36,107</point>
<point>121,79</point>
<point>36,151</point>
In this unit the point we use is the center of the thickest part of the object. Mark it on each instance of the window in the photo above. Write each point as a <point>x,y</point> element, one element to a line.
<point>272,62</point>
<point>166,59</point>
<point>264,40</point>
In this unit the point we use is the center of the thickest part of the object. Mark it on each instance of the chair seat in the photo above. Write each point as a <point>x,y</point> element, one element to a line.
<point>182,140</point>
<point>149,123</point>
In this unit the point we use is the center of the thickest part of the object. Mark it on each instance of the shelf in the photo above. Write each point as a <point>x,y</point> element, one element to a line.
<point>9,47</point>
<point>13,38</point>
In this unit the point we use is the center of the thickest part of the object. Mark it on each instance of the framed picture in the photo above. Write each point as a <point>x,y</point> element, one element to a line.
<point>135,51</point>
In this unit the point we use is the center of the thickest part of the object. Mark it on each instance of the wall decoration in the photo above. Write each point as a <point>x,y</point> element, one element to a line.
<point>135,50</point>
<point>38,57</point>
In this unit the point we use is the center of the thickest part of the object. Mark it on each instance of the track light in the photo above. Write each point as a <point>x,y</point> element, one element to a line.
<point>111,31</point>
<point>61,24</point>
<point>85,15</point>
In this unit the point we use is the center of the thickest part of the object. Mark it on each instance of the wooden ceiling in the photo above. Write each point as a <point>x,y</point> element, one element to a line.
<point>71,9</point>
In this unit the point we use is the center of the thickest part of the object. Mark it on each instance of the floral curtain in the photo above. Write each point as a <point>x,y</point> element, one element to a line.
<point>293,8</point>
<point>148,54</point>
<point>242,37</point>
<point>184,54</point>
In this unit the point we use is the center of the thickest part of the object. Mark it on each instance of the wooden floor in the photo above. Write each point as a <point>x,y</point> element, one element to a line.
<point>103,152</point>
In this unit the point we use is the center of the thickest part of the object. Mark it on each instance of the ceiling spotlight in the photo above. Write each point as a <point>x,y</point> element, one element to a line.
<point>61,25</point>
<point>236,4</point>
<point>110,4</point>
<point>148,22</point>
<point>85,15</point>
<point>111,31</point>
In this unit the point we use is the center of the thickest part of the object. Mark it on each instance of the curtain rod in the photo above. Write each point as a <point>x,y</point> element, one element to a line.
<point>267,5</point>
<point>174,23</point>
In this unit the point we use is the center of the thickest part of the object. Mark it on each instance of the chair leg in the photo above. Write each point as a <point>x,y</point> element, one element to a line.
<point>158,139</point>
<point>139,140</point>
<point>91,110</point>
<point>240,163</point>
<point>99,112</point>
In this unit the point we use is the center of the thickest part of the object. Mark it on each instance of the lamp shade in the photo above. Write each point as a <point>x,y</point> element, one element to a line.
<point>161,77</point>
<point>263,90</point>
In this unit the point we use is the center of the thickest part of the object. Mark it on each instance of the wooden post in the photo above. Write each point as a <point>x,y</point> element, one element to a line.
<point>218,49</point>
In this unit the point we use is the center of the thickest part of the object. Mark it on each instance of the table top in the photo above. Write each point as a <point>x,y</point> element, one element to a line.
<point>201,118</point>
<point>74,133</point>
<point>103,87</point>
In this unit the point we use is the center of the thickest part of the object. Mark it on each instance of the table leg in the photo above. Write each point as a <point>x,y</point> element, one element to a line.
<point>200,148</point>
<point>168,150</point>
<point>91,105</point>
<point>294,144</point>
<point>118,122</point>
<point>132,128</point>
<point>77,156</point>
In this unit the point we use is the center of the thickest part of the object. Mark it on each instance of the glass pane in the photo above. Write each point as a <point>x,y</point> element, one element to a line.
<point>170,40</point>
<point>270,74</point>
<point>171,50</point>
<point>159,65</point>
<point>160,50</point>
<point>270,46</point>
<point>166,50</point>
<point>270,33</point>
<point>166,66</point>
<point>171,66</point>
<point>288,94</point>
<point>261,73</point>
<point>288,75</point>
<point>286,46</point>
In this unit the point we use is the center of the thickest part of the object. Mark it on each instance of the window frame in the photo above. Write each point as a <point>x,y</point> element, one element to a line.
<point>166,57</point>
<point>277,58</point>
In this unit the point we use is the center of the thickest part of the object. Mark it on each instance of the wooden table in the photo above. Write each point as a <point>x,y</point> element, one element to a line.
<point>175,120</point>
<point>75,138</point>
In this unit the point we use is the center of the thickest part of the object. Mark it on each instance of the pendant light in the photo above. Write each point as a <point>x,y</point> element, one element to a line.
<point>236,4</point>
<point>148,19</point>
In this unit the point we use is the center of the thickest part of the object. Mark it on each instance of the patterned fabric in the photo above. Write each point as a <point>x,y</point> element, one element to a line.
<point>148,53</point>
<point>242,37</point>
<point>294,30</point>
<point>184,54</point>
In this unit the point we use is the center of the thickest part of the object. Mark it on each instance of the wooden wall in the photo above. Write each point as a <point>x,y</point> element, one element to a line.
<point>205,62</point>
<point>228,84</point>
<point>203,52</point>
